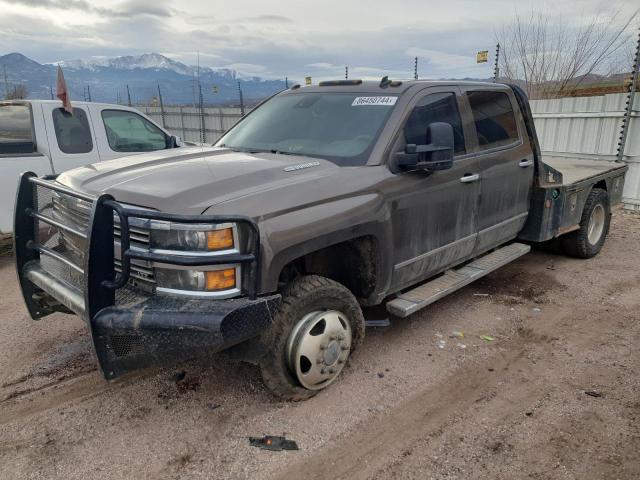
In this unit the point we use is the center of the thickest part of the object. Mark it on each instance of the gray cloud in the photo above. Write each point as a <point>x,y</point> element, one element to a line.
<point>129,8</point>
<point>278,42</point>
<point>267,19</point>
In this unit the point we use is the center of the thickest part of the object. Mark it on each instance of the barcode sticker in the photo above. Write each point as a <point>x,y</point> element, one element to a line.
<point>385,101</point>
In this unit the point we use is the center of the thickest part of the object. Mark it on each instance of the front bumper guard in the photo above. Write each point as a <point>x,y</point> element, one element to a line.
<point>156,331</point>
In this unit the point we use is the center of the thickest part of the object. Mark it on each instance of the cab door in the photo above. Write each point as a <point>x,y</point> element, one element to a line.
<point>122,132</point>
<point>434,215</point>
<point>71,138</point>
<point>505,162</point>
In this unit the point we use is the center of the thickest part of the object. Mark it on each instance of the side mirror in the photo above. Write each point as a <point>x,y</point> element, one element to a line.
<point>174,142</point>
<point>435,154</point>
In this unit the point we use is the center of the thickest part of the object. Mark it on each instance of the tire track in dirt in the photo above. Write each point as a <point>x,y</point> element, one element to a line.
<point>55,394</point>
<point>367,450</point>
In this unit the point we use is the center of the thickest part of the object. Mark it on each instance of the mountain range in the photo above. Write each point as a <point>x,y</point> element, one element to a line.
<point>106,80</point>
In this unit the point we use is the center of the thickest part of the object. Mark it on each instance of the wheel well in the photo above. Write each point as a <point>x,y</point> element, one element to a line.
<point>352,263</point>
<point>601,184</point>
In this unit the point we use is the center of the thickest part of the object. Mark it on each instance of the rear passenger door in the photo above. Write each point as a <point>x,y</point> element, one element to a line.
<point>70,137</point>
<point>505,164</point>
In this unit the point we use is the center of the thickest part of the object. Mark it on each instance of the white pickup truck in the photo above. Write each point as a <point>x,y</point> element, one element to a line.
<point>40,136</point>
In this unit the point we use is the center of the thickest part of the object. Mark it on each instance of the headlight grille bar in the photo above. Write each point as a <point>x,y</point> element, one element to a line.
<point>184,259</point>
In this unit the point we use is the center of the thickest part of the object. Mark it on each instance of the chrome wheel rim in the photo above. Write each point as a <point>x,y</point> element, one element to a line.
<point>318,348</point>
<point>596,225</point>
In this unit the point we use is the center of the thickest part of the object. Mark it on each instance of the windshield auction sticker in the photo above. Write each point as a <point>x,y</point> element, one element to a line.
<point>385,101</point>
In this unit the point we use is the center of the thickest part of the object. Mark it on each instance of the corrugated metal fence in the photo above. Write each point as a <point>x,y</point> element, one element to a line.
<point>188,124</point>
<point>590,127</point>
<point>567,127</point>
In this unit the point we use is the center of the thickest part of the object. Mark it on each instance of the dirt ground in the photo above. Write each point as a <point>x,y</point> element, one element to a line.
<point>415,402</point>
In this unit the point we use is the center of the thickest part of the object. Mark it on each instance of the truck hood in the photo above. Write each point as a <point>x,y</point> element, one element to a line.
<point>191,180</point>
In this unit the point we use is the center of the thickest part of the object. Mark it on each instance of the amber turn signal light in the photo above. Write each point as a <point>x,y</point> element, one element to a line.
<point>221,279</point>
<point>220,239</point>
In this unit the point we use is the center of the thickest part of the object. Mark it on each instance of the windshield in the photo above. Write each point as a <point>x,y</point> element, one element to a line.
<point>340,127</point>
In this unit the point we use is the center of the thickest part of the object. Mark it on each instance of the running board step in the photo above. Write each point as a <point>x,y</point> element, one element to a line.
<point>413,300</point>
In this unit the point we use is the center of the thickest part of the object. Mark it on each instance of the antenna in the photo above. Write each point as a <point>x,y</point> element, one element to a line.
<point>415,68</point>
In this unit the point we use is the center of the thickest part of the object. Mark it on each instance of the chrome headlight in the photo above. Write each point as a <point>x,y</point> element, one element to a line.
<point>223,281</point>
<point>196,240</point>
<point>193,238</point>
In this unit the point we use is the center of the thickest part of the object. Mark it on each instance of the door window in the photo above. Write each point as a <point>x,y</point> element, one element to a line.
<point>72,131</point>
<point>494,119</point>
<point>16,135</point>
<point>436,107</point>
<point>129,132</point>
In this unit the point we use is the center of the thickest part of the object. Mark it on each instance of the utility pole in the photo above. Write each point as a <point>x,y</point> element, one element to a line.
<point>626,120</point>
<point>203,132</point>
<point>51,91</point>
<point>89,92</point>
<point>496,66</point>
<point>241,99</point>
<point>128,96</point>
<point>6,82</point>
<point>286,82</point>
<point>415,68</point>
<point>164,121</point>
<point>346,72</point>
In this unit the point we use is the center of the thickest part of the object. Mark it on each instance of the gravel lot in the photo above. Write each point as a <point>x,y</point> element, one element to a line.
<point>514,407</point>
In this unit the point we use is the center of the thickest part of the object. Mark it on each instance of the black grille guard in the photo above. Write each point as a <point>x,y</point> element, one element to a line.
<point>100,278</point>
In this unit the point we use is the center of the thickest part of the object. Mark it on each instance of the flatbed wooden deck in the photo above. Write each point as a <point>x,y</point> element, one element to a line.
<point>575,170</point>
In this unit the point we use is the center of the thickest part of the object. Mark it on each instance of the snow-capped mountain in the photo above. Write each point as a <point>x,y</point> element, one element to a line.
<point>129,62</point>
<point>107,79</point>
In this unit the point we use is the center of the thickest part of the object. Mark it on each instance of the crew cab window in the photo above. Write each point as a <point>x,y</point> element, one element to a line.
<point>129,132</point>
<point>436,107</point>
<point>16,134</point>
<point>494,119</point>
<point>72,131</point>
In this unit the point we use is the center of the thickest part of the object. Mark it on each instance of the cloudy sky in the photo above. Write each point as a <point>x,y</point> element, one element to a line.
<point>273,39</point>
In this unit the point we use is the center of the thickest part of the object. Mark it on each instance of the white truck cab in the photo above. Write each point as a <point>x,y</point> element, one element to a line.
<point>40,136</point>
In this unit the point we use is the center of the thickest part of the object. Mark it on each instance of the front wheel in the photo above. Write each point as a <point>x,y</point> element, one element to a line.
<point>588,240</point>
<point>311,338</point>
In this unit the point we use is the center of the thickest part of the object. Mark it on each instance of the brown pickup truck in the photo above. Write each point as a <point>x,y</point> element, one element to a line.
<point>323,200</point>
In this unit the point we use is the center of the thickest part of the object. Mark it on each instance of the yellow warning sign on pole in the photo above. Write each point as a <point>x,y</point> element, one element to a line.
<point>307,80</point>
<point>482,57</point>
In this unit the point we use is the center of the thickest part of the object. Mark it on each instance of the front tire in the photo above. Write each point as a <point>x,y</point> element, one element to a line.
<point>594,226</point>
<point>318,325</point>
